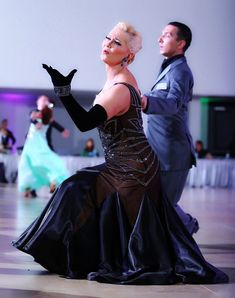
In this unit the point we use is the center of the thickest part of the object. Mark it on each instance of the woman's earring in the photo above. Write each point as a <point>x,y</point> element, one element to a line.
<point>124,61</point>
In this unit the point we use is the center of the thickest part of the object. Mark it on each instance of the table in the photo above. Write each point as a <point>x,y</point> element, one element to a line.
<point>208,173</point>
<point>73,164</point>
<point>10,162</point>
<point>213,173</point>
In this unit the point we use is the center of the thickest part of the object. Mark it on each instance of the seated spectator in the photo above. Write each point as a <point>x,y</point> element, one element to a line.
<point>7,139</point>
<point>201,152</point>
<point>89,149</point>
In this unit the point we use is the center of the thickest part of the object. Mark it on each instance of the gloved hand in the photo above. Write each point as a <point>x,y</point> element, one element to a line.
<point>57,78</point>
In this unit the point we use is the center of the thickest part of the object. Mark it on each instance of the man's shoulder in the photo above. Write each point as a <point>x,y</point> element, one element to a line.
<point>180,67</point>
<point>180,63</point>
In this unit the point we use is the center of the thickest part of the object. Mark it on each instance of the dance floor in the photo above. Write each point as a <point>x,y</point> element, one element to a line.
<point>21,277</point>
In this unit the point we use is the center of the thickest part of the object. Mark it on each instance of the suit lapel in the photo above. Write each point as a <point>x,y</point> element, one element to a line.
<point>165,71</point>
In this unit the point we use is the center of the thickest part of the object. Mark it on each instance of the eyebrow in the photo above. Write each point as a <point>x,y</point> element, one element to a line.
<point>114,38</point>
<point>164,32</point>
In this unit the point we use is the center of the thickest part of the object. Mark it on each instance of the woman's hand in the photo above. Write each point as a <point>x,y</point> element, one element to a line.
<point>38,125</point>
<point>57,78</point>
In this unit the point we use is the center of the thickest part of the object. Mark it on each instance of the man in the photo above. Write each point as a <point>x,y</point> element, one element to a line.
<point>43,101</point>
<point>167,108</point>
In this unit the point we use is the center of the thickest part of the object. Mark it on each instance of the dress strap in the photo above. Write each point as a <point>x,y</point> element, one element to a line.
<point>135,96</point>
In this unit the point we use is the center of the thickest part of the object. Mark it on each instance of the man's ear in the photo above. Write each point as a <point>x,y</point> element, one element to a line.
<point>181,44</point>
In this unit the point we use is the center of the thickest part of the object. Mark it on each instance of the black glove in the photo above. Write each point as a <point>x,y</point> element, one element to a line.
<point>83,120</point>
<point>61,83</point>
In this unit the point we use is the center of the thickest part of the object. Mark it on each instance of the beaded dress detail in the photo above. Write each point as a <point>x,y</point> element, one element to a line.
<point>126,149</point>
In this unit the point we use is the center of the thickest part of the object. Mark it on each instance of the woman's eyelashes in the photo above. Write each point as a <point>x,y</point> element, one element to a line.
<point>115,41</point>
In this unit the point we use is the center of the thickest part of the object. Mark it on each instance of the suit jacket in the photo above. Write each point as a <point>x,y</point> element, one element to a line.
<point>167,110</point>
<point>57,126</point>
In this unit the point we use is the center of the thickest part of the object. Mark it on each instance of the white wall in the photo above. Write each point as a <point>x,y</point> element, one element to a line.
<point>68,34</point>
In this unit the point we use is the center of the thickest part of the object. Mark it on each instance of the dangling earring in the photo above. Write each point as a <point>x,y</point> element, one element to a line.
<point>124,61</point>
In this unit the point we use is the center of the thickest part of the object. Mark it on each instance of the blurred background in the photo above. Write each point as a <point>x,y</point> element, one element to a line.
<point>68,34</point>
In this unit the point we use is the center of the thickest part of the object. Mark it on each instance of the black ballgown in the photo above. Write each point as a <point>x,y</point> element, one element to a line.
<point>110,223</point>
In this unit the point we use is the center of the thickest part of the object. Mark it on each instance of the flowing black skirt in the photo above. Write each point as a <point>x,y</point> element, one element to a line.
<point>123,234</point>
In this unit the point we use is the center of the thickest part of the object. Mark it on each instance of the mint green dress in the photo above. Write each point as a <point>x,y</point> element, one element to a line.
<point>39,165</point>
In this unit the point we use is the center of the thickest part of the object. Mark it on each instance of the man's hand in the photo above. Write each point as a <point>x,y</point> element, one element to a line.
<point>65,133</point>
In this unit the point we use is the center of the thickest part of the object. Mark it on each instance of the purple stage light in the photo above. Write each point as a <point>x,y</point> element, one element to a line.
<point>17,97</point>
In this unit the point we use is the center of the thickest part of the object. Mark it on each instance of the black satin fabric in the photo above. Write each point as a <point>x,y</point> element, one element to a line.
<point>105,247</point>
<point>110,223</point>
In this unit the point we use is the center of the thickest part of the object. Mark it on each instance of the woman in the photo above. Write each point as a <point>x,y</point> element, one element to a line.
<point>89,149</point>
<point>7,139</point>
<point>110,223</point>
<point>39,166</point>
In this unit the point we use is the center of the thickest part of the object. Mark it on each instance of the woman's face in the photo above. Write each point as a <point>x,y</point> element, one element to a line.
<point>89,144</point>
<point>115,47</point>
<point>42,102</point>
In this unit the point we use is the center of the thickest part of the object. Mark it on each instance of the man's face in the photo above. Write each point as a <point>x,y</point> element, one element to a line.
<point>168,43</point>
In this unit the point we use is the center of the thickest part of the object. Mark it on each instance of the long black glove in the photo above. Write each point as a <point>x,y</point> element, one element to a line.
<point>83,120</point>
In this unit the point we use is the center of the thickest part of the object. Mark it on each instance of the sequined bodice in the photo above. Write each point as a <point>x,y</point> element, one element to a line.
<point>127,152</point>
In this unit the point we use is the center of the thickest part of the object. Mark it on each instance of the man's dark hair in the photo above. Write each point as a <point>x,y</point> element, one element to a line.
<point>184,33</point>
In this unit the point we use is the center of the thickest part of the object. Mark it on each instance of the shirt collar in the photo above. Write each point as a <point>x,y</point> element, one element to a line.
<point>168,61</point>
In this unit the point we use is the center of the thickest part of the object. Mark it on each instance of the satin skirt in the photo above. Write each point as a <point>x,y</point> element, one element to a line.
<point>88,230</point>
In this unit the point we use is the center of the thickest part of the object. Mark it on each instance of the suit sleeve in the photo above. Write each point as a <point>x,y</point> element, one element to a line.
<point>57,126</point>
<point>169,101</point>
<point>12,137</point>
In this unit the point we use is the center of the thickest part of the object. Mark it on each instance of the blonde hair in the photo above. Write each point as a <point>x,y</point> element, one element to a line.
<point>134,40</point>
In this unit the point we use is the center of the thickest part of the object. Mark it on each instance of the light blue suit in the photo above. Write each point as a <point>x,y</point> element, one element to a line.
<point>168,132</point>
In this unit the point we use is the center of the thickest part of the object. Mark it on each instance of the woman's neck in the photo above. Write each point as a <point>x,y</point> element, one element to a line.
<point>113,74</point>
<point>114,71</point>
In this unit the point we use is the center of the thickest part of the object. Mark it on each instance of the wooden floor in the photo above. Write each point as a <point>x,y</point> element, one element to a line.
<point>21,277</point>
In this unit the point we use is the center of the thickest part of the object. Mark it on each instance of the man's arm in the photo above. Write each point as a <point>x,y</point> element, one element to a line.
<point>65,132</point>
<point>57,126</point>
<point>167,101</point>
<point>12,137</point>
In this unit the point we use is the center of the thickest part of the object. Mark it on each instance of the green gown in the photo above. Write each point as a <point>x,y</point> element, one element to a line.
<point>39,165</point>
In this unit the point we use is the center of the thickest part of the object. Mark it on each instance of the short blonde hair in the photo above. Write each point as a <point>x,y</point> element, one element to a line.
<point>134,40</point>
